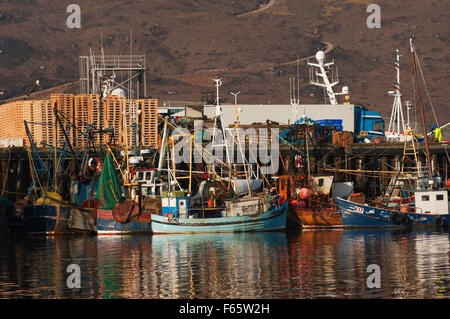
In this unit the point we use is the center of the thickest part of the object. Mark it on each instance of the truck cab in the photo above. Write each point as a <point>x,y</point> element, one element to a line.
<point>368,123</point>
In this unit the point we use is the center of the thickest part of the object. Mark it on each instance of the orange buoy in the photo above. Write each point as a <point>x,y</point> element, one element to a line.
<point>304,193</point>
<point>404,209</point>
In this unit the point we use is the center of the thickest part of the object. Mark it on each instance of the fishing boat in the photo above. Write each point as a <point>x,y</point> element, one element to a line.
<point>126,205</point>
<point>249,215</point>
<point>309,208</point>
<point>46,219</point>
<point>4,229</point>
<point>117,214</point>
<point>7,216</point>
<point>431,209</point>
<point>219,205</point>
<point>49,213</point>
<point>109,224</point>
<point>426,202</point>
<point>231,204</point>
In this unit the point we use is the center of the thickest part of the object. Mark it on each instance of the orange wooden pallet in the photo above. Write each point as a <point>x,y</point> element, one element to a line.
<point>149,122</point>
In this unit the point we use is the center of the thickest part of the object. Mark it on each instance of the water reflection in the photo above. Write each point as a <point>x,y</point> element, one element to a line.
<point>240,265</point>
<point>311,264</point>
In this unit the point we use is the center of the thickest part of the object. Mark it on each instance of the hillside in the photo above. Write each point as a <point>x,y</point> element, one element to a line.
<point>189,42</point>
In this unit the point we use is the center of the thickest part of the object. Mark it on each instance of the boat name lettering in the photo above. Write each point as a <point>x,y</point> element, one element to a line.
<point>171,220</point>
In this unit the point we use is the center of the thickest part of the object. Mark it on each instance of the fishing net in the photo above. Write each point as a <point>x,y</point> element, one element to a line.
<point>108,192</point>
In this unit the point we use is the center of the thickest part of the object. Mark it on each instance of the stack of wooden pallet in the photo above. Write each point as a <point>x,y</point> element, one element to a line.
<point>17,129</point>
<point>65,105</point>
<point>149,121</point>
<point>87,113</point>
<point>39,115</point>
<point>5,118</point>
<point>96,116</point>
<point>113,108</point>
<point>82,110</point>
<point>131,117</point>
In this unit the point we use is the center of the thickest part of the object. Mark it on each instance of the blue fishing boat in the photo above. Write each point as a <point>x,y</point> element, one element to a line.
<point>180,219</point>
<point>129,220</point>
<point>358,215</point>
<point>7,215</point>
<point>51,215</point>
<point>431,204</point>
<point>46,219</point>
<point>52,219</point>
<point>3,223</point>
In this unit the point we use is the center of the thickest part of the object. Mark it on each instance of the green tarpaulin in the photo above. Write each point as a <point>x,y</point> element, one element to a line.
<point>108,192</point>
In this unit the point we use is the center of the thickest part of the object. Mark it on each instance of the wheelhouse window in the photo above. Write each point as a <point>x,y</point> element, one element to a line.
<point>320,182</point>
<point>378,126</point>
<point>440,197</point>
<point>425,198</point>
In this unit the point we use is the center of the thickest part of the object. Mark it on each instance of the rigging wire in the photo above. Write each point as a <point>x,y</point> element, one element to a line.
<point>431,103</point>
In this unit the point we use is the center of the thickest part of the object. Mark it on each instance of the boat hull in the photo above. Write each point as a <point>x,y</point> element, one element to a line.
<point>53,219</point>
<point>83,220</point>
<point>4,229</point>
<point>271,220</point>
<point>46,219</point>
<point>107,225</point>
<point>358,215</point>
<point>316,218</point>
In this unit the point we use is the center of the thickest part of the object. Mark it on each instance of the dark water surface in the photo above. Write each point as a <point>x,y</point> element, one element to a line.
<point>310,264</point>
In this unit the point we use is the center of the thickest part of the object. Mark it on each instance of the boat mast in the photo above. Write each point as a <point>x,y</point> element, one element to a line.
<point>422,115</point>
<point>323,74</point>
<point>236,132</point>
<point>397,113</point>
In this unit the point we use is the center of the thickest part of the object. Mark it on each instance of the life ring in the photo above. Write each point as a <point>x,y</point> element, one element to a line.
<point>395,218</point>
<point>405,220</point>
<point>281,200</point>
<point>93,163</point>
<point>278,200</point>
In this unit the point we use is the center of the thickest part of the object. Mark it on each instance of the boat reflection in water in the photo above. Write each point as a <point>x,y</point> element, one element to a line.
<point>310,264</point>
<point>191,266</point>
<point>36,266</point>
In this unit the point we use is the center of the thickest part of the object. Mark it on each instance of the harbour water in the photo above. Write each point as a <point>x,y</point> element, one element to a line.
<point>310,264</point>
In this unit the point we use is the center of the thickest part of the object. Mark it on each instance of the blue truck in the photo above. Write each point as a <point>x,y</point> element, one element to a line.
<point>367,124</point>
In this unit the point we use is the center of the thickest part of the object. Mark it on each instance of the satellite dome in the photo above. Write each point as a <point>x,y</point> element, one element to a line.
<point>320,56</point>
<point>120,92</point>
<point>345,90</point>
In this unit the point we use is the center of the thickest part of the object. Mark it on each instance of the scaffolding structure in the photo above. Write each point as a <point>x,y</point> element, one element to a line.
<point>106,74</point>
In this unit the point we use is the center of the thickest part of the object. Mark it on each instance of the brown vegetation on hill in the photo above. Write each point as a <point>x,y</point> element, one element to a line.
<point>189,42</point>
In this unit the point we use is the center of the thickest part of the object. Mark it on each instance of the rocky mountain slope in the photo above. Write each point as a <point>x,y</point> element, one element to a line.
<point>252,45</point>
